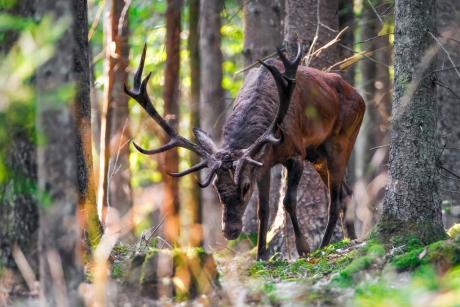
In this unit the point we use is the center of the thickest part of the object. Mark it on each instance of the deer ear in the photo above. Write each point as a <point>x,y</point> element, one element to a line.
<point>205,141</point>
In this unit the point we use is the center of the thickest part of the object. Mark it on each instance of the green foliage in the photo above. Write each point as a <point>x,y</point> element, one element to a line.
<point>445,253</point>
<point>363,259</point>
<point>314,267</point>
<point>423,287</point>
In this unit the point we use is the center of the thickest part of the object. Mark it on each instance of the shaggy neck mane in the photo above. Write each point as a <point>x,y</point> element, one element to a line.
<point>255,109</point>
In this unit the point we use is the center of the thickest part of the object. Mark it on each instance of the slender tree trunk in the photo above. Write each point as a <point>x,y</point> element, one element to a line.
<point>196,233</point>
<point>64,159</point>
<point>312,198</point>
<point>448,23</point>
<point>347,41</point>
<point>212,104</point>
<point>171,110</point>
<point>411,205</point>
<point>18,204</point>
<point>114,174</point>
<point>263,33</point>
<point>376,87</point>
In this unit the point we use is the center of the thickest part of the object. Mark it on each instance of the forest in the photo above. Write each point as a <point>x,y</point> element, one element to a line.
<point>229,153</point>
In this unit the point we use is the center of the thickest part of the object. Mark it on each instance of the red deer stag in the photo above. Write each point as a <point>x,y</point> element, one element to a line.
<point>300,114</point>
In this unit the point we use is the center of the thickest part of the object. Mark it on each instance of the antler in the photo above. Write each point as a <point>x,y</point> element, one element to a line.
<point>139,93</point>
<point>285,83</point>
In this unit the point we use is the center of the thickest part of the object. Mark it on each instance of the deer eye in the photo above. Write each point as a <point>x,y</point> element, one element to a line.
<point>246,187</point>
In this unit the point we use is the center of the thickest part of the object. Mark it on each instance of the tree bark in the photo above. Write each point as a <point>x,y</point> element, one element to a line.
<point>171,204</point>
<point>18,202</point>
<point>64,158</point>
<point>448,22</point>
<point>411,205</point>
<point>196,232</point>
<point>114,174</point>
<point>263,33</point>
<point>212,105</point>
<point>302,22</point>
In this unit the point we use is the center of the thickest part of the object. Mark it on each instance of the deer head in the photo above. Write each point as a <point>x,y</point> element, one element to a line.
<point>234,171</point>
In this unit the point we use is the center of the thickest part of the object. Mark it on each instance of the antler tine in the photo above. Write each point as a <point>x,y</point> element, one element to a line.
<point>194,168</point>
<point>210,177</point>
<point>291,66</point>
<point>140,94</point>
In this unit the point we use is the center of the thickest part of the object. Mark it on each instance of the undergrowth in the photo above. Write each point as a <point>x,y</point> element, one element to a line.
<point>403,273</point>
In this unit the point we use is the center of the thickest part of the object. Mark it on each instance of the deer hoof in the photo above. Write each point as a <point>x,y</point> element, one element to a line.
<point>262,256</point>
<point>302,247</point>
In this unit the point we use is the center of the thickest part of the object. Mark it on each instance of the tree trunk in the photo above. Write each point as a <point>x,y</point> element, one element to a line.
<point>263,33</point>
<point>448,22</point>
<point>212,105</point>
<point>411,205</point>
<point>370,157</point>
<point>347,41</point>
<point>114,175</point>
<point>171,112</point>
<point>302,20</point>
<point>18,204</point>
<point>196,232</point>
<point>312,196</point>
<point>64,158</point>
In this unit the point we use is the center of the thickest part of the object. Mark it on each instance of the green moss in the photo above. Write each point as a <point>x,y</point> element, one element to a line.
<point>117,271</point>
<point>380,294</point>
<point>316,266</point>
<point>362,260</point>
<point>409,260</point>
<point>344,278</point>
<point>443,254</point>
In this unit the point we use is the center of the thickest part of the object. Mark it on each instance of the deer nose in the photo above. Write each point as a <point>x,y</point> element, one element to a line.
<point>231,232</point>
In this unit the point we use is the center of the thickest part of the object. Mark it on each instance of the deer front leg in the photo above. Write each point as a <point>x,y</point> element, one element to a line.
<point>295,169</point>
<point>263,212</point>
<point>332,216</point>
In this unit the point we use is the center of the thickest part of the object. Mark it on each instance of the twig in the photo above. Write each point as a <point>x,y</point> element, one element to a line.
<point>330,43</point>
<point>445,69</point>
<point>122,19</point>
<point>365,54</point>
<point>271,55</point>
<point>375,11</point>
<point>25,269</point>
<point>449,171</point>
<point>312,46</point>
<point>92,30</point>
<point>372,38</point>
<point>446,52</point>
<point>447,88</point>
<point>353,59</point>
<point>450,191</point>
<point>377,147</point>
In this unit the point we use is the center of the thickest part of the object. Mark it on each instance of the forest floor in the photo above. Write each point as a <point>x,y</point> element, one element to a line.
<point>346,273</point>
